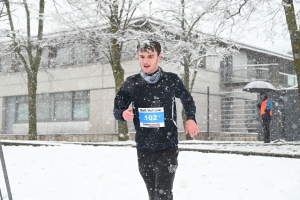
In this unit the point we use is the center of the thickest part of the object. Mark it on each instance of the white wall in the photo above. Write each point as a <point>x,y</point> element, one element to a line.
<point>101,111</point>
<point>99,80</point>
<point>81,127</point>
<point>213,63</point>
<point>96,78</point>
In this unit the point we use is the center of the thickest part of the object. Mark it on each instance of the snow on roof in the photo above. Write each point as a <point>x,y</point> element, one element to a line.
<point>265,51</point>
<point>295,87</point>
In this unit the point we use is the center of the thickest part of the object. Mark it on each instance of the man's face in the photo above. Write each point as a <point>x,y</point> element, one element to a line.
<point>262,97</point>
<point>149,61</point>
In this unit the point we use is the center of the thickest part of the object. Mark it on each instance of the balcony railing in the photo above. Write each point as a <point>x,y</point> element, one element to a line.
<point>261,72</point>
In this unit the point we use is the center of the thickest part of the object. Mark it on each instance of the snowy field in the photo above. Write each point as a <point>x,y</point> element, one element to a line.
<point>76,172</point>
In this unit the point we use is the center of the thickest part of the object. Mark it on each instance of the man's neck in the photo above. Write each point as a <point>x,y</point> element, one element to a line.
<point>153,72</point>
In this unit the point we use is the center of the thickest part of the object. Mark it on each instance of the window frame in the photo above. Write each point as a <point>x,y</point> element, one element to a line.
<point>85,97</point>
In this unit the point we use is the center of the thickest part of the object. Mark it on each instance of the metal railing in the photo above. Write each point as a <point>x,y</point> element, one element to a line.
<point>245,74</point>
<point>261,72</point>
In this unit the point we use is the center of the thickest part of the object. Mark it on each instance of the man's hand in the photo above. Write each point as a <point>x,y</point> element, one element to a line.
<point>191,128</point>
<point>128,114</point>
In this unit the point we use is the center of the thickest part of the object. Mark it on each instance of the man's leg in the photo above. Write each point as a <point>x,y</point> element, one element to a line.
<point>266,127</point>
<point>146,168</point>
<point>165,169</point>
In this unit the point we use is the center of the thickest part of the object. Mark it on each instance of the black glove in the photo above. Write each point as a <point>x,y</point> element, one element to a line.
<point>258,105</point>
<point>267,111</point>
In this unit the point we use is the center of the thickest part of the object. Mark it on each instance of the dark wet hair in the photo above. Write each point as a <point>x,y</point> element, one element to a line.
<point>147,45</point>
<point>265,95</point>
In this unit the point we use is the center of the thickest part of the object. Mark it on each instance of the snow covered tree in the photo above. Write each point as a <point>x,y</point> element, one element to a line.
<point>104,24</point>
<point>194,28</point>
<point>28,47</point>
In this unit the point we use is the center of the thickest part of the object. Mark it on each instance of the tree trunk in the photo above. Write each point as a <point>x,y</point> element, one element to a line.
<point>32,87</point>
<point>32,64</point>
<point>117,69</point>
<point>295,38</point>
<point>118,73</point>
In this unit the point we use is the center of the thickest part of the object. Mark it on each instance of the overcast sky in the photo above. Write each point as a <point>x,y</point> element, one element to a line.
<point>258,36</point>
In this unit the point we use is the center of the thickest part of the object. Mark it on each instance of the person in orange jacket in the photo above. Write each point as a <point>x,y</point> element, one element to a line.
<point>266,114</point>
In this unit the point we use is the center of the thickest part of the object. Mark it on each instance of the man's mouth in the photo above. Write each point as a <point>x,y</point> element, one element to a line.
<point>146,66</point>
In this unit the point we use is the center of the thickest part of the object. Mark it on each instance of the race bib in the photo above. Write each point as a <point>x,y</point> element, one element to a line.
<point>152,117</point>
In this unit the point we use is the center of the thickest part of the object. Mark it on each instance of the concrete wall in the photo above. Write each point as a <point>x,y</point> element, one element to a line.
<point>81,127</point>
<point>98,79</point>
<point>101,111</point>
<point>213,63</point>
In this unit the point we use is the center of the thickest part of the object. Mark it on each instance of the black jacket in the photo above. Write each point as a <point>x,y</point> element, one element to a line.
<point>141,94</point>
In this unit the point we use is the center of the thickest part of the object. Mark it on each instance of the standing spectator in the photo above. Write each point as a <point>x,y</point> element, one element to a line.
<point>266,114</point>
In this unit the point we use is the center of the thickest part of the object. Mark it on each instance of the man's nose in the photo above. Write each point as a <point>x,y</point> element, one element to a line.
<point>146,61</point>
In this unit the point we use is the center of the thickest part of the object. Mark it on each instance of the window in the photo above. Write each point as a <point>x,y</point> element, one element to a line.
<point>292,80</point>
<point>81,53</point>
<point>67,106</point>
<point>5,63</point>
<point>81,105</point>
<point>74,54</point>
<point>22,109</point>
<point>62,103</point>
<point>226,69</point>
<point>64,56</point>
<point>43,107</point>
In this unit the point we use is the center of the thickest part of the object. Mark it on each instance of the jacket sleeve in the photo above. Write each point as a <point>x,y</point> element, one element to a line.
<point>122,100</point>
<point>186,99</point>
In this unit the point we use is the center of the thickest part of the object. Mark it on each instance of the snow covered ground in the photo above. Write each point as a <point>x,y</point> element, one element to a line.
<point>82,172</point>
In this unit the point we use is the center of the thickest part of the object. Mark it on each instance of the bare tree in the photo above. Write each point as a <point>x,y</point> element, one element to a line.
<point>106,24</point>
<point>29,49</point>
<point>193,41</point>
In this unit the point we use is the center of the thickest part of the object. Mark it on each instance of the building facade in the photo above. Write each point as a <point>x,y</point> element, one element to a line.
<point>76,90</point>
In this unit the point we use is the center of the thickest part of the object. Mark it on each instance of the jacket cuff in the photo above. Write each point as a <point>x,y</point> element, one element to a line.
<point>119,116</point>
<point>191,117</point>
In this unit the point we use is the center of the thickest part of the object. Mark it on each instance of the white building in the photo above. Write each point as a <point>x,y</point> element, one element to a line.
<point>76,94</point>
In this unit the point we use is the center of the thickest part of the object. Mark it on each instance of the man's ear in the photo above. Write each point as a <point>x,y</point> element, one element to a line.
<point>159,56</point>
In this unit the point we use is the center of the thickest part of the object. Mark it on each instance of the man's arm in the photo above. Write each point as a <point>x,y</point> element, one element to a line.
<point>189,107</point>
<point>122,102</point>
<point>186,100</point>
